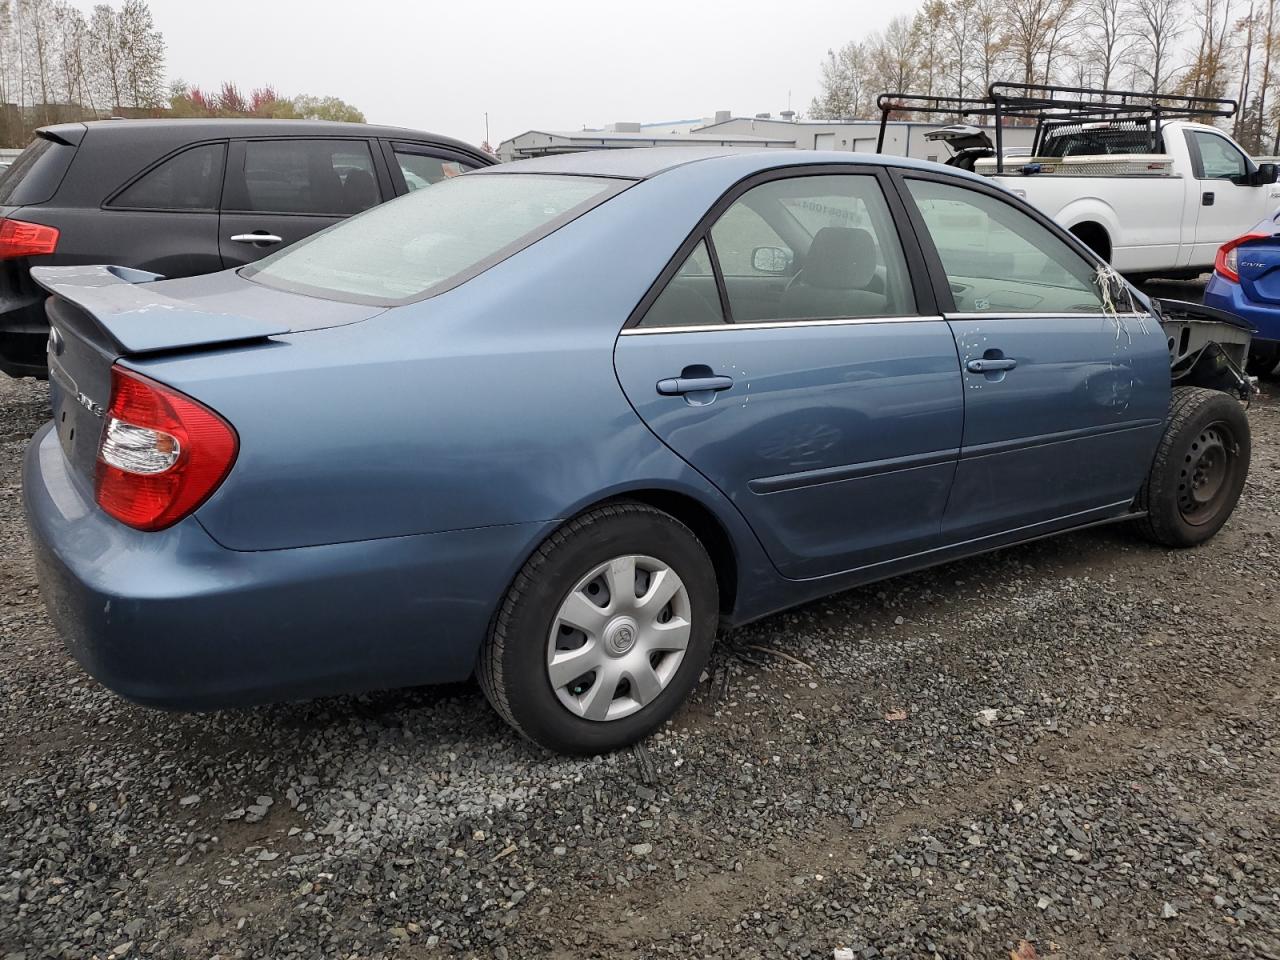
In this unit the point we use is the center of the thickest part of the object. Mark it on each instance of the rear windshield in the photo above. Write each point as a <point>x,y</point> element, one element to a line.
<point>34,176</point>
<point>1078,141</point>
<point>432,239</point>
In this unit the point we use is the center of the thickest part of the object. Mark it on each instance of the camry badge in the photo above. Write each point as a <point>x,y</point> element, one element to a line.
<point>90,405</point>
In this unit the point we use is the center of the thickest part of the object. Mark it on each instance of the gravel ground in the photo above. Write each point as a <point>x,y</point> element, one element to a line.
<point>1073,743</point>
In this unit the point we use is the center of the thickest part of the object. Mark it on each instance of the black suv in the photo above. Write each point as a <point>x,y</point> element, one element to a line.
<point>182,197</point>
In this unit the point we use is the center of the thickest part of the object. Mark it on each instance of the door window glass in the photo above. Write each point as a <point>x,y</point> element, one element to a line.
<point>421,170</point>
<point>1000,260</point>
<point>691,298</point>
<point>191,180</point>
<point>326,177</point>
<point>1219,159</point>
<point>825,246</point>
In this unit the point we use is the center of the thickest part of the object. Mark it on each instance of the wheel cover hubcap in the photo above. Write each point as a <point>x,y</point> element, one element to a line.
<point>618,637</point>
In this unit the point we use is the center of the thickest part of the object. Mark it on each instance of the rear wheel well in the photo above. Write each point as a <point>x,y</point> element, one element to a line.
<point>706,528</point>
<point>1095,237</point>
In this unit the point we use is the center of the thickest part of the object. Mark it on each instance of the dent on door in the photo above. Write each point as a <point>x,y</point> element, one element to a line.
<point>1062,415</point>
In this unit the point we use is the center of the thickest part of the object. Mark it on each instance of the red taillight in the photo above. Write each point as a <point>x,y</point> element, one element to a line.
<point>21,239</point>
<point>161,454</point>
<point>1225,264</point>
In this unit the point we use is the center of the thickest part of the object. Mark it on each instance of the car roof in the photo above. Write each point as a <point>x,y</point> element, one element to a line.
<point>203,128</point>
<point>643,163</point>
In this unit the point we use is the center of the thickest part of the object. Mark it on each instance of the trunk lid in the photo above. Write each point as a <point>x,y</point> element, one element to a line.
<point>101,314</point>
<point>1258,263</point>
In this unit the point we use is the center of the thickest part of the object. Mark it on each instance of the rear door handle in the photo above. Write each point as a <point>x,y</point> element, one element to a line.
<point>990,366</point>
<point>257,238</point>
<point>678,386</point>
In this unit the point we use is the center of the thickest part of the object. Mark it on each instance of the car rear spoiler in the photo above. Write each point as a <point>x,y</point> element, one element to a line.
<point>138,318</point>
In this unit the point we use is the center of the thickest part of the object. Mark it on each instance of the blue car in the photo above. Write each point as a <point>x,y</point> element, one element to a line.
<point>556,422</point>
<point>1246,282</point>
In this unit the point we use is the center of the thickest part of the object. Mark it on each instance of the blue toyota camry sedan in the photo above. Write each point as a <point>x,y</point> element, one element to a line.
<point>555,422</point>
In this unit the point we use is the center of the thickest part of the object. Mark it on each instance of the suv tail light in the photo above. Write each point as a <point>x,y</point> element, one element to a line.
<point>161,455</point>
<point>1226,263</point>
<point>21,239</point>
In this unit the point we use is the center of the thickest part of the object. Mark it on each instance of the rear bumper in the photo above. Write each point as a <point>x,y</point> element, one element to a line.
<point>173,619</point>
<point>1225,295</point>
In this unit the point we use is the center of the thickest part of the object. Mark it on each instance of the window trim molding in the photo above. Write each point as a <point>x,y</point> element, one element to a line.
<point>109,205</point>
<point>783,324</point>
<point>918,273</point>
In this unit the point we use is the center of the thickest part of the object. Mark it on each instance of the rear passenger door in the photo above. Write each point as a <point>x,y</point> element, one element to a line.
<point>165,219</point>
<point>280,191</point>
<point>1064,397</point>
<point>824,401</point>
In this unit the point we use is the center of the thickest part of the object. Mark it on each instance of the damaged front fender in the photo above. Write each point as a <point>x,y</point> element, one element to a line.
<point>1207,347</point>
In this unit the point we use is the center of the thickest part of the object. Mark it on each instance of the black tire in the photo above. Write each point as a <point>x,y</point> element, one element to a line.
<point>513,663</point>
<point>1199,468</point>
<point>1262,361</point>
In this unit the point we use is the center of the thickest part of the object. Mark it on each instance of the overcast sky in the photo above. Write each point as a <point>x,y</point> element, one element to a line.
<point>438,65</point>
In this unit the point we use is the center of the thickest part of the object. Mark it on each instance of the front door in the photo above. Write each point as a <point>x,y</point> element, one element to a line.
<point>1065,393</point>
<point>787,359</point>
<point>279,191</point>
<point>1227,203</point>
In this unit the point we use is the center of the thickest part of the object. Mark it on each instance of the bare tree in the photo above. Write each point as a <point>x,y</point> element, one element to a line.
<point>988,40</point>
<point>1160,24</point>
<point>844,83</point>
<point>1029,24</point>
<point>35,25</point>
<point>1064,25</point>
<point>1206,74</point>
<point>894,56</point>
<point>927,25</point>
<point>1107,38</point>
<point>959,36</point>
<point>107,56</point>
<point>142,50</point>
<point>73,43</point>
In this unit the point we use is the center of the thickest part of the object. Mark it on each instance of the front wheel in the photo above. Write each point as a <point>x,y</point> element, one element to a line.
<point>1199,468</point>
<point>604,632</point>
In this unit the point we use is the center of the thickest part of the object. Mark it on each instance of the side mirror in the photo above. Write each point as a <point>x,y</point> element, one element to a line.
<point>1266,173</point>
<point>770,260</point>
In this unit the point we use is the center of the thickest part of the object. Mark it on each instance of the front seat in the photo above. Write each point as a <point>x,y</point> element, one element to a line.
<point>840,265</point>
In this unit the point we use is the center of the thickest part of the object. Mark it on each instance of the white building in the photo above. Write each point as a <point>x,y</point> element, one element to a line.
<point>902,137</point>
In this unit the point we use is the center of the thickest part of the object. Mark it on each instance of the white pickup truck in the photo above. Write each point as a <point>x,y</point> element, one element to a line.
<point>1150,212</point>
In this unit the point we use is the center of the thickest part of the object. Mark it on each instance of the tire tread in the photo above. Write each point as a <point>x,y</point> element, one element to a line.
<point>1184,404</point>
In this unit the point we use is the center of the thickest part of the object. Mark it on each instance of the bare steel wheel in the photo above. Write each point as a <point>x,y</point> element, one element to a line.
<point>1206,473</point>
<point>1199,469</point>
<point>618,637</point>
<point>604,632</point>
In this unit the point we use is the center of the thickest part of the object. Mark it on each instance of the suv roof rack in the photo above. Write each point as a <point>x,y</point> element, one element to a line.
<point>1053,106</point>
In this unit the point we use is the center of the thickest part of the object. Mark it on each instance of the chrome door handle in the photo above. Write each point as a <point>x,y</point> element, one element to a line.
<point>677,386</point>
<point>990,366</point>
<point>257,238</point>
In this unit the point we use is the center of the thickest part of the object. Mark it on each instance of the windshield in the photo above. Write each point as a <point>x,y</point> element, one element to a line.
<point>431,240</point>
